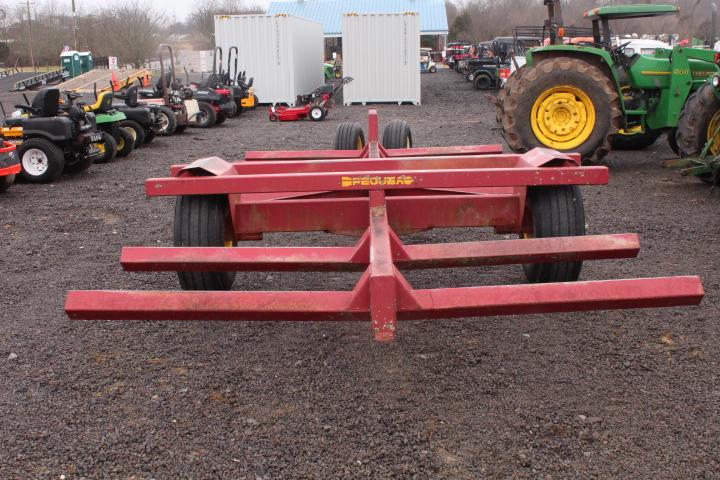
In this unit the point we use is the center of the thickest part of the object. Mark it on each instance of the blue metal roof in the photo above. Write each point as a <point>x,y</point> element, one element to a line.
<point>433,16</point>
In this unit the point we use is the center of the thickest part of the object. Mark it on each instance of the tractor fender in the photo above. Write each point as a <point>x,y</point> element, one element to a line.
<point>594,56</point>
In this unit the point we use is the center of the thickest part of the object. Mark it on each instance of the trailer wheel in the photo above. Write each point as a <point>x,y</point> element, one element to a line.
<point>206,117</point>
<point>317,113</point>
<point>699,120</point>
<point>6,181</point>
<point>42,161</point>
<point>349,136</point>
<point>168,122</point>
<point>125,142</point>
<point>203,221</point>
<point>482,82</point>
<point>556,212</point>
<point>397,134</point>
<point>136,130</point>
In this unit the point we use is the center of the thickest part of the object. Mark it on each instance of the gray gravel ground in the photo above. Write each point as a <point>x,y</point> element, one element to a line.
<point>631,394</point>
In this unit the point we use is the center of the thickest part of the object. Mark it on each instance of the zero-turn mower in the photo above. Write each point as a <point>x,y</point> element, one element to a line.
<point>109,120</point>
<point>50,141</point>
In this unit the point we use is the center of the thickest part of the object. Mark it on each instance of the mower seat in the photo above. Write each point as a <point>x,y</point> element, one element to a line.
<point>131,96</point>
<point>46,103</point>
<point>103,104</point>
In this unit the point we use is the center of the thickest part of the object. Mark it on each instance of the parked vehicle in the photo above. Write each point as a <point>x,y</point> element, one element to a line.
<point>315,105</point>
<point>50,141</point>
<point>143,121</point>
<point>9,165</point>
<point>489,77</point>
<point>583,97</point>
<point>427,64</point>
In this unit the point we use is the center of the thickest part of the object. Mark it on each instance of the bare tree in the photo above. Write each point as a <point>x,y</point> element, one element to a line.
<point>202,19</point>
<point>132,30</point>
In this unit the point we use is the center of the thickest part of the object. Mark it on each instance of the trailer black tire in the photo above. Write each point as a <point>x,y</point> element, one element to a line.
<point>6,181</point>
<point>556,212</point>
<point>41,167</point>
<point>562,80</point>
<point>482,82</point>
<point>207,117</point>
<point>349,136</point>
<point>699,116</point>
<point>125,142</point>
<point>203,221</point>
<point>167,117</point>
<point>138,132</point>
<point>110,149</point>
<point>397,134</point>
<point>638,141</point>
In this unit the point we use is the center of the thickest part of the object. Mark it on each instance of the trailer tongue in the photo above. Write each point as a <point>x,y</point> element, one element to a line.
<point>379,191</point>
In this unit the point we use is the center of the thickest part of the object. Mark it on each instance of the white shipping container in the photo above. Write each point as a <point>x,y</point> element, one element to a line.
<point>284,54</point>
<point>381,52</point>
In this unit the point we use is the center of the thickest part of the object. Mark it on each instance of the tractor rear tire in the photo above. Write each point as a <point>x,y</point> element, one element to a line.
<point>699,117</point>
<point>510,83</point>
<point>169,121</point>
<point>207,117</point>
<point>125,142</point>
<point>110,146</point>
<point>571,104</point>
<point>397,134</point>
<point>349,136</point>
<point>42,161</point>
<point>6,181</point>
<point>672,141</point>
<point>203,221</point>
<point>638,141</point>
<point>138,132</point>
<point>556,212</point>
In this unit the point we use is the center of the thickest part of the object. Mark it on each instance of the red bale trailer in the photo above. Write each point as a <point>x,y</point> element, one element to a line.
<point>379,190</point>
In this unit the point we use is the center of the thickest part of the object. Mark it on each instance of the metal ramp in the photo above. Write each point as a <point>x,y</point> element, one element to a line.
<point>39,79</point>
<point>85,83</point>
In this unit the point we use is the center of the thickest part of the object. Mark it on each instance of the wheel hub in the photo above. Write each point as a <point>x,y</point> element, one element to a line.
<point>713,133</point>
<point>563,117</point>
<point>35,162</point>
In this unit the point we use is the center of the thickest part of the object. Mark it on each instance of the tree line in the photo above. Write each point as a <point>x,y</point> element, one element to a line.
<point>479,20</point>
<point>128,29</point>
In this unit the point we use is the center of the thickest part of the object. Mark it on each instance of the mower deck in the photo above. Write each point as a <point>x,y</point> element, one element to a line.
<point>380,194</point>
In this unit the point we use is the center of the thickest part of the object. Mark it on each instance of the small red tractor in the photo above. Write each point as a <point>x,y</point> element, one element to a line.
<point>315,105</point>
<point>9,165</point>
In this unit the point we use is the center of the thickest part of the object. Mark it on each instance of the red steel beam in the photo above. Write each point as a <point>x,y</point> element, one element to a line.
<point>405,213</point>
<point>443,255</point>
<point>381,282</point>
<point>435,303</point>
<point>390,180</point>
<point>253,155</point>
<point>440,151</point>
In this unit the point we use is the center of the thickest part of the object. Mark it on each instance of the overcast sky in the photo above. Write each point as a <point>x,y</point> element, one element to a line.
<point>182,7</point>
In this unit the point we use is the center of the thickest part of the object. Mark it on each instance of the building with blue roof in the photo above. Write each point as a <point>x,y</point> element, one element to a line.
<point>433,15</point>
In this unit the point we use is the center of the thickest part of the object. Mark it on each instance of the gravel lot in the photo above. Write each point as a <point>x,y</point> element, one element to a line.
<point>630,394</point>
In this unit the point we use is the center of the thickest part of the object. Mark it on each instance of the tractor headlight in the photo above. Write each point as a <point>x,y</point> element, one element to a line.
<point>716,81</point>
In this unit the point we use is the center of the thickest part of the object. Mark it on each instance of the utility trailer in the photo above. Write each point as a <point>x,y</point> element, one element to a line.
<point>378,191</point>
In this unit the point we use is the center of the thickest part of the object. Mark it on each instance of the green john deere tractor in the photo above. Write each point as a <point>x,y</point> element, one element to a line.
<point>589,96</point>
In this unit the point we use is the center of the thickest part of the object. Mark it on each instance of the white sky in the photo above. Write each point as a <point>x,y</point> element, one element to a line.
<point>181,8</point>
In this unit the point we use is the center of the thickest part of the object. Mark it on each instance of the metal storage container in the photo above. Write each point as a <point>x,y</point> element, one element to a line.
<point>284,54</point>
<point>381,52</point>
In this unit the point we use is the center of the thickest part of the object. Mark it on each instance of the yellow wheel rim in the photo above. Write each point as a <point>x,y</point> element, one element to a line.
<point>713,130</point>
<point>101,147</point>
<point>359,144</point>
<point>563,117</point>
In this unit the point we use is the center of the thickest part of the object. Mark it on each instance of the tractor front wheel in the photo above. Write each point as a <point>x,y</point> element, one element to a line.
<point>556,212</point>
<point>636,141</point>
<point>571,105</point>
<point>125,142</point>
<point>206,117</point>
<point>203,221</point>
<point>699,124</point>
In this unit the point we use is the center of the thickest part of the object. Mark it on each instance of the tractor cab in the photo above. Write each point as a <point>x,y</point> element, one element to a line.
<point>601,17</point>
